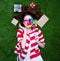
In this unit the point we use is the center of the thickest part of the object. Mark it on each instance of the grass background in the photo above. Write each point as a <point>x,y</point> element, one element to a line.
<point>51,30</point>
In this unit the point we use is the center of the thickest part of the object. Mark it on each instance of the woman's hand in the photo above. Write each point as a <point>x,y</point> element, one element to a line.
<point>42,45</point>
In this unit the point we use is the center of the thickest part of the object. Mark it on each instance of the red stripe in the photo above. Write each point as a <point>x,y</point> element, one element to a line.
<point>20,44</point>
<point>18,51</point>
<point>22,56</point>
<point>40,34</point>
<point>41,38</point>
<point>36,30</point>
<point>43,43</point>
<point>20,31</point>
<point>35,55</point>
<point>37,50</point>
<point>20,36</point>
<point>32,38</point>
<point>31,32</point>
<point>27,41</point>
<point>32,50</point>
<point>33,44</point>
<point>26,47</point>
<point>23,52</point>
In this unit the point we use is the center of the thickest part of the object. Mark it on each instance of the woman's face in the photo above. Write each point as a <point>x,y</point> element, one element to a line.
<point>25,22</point>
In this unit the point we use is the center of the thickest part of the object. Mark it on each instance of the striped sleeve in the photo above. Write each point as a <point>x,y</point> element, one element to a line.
<point>40,35</point>
<point>20,33</point>
<point>19,36</point>
<point>18,48</point>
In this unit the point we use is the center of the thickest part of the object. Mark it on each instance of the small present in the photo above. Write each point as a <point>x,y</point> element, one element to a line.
<point>14,21</point>
<point>17,8</point>
<point>32,5</point>
<point>42,21</point>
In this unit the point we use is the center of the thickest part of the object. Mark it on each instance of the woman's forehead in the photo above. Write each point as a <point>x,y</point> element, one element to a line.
<point>27,17</point>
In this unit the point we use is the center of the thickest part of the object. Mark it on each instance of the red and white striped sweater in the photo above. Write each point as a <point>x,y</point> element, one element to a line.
<point>30,42</point>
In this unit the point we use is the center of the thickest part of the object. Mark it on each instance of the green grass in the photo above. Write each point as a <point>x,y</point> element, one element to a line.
<point>51,30</point>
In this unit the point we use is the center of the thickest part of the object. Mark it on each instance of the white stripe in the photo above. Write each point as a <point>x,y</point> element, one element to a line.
<point>33,41</point>
<point>38,32</point>
<point>27,44</point>
<point>25,50</point>
<point>34,33</point>
<point>41,36</point>
<point>19,38</point>
<point>36,29</point>
<point>23,55</point>
<point>18,33</point>
<point>31,34</point>
<point>32,53</point>
<point>28,38</point>
<point>39,58</point>
<point>34,47</point>
<point>42,40</point>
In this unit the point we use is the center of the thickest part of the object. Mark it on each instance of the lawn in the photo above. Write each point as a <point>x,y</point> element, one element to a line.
<point>51,30</point>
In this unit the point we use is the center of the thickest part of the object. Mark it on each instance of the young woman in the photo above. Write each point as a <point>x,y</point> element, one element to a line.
<point>32,36</point>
